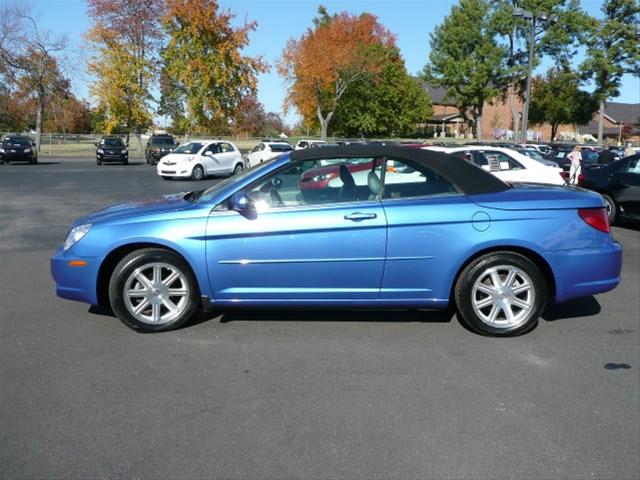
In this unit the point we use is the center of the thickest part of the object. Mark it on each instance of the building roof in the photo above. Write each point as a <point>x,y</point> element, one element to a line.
<point>591,128</point>
<point>438,94</point>
<point>623,112</point>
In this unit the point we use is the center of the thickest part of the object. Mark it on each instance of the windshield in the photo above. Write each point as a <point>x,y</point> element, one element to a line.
<point>189,148</point>
<point>281,147</point>
<point>22,141</point>
<point>112,142</point>
<point>162,141</point>
<point>208,194</point>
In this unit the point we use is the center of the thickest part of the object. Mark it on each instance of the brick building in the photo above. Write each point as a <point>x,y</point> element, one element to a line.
<point>497,121</point>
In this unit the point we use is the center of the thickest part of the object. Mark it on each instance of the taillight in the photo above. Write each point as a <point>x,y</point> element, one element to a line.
<point>595,217</point>
<point>581,178</point>
<point>565,176</point>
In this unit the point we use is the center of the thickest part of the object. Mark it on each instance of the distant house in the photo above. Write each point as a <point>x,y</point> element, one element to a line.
<point>497,120</point>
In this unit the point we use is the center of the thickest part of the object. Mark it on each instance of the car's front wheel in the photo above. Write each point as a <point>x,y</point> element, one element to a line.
<point>197,173</point>
<point>153,290</point>
<point>501,294</point>
<point>98,161</point>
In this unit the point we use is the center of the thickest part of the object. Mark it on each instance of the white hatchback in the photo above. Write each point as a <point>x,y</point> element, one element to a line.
<point>506,164</point>
<point>266,151</point>
<point>199,158</point>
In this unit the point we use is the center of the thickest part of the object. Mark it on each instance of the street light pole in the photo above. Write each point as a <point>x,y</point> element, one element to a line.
<point>525,115</point>
<point>531,20</point>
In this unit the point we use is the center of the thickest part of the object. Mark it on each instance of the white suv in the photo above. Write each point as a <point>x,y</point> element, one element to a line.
<point>302,144</point>
<point>267,150</point>
<point>199,158</point>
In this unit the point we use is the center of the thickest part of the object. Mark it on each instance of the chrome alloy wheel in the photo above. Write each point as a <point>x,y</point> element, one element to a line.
<point>156,293</point>
<point>503,296</point>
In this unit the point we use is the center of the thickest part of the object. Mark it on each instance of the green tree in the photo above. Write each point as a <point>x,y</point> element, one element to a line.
<point>613,50</point>
<point>557,99</point>
<point>206,70</point>
<point>390,103</point>
<point>466,60</point>
<point>558,40</point>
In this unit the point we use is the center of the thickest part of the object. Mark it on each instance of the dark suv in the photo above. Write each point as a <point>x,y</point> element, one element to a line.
<point>158,146</point>
<point>18,148</point>
<point>111,149</point>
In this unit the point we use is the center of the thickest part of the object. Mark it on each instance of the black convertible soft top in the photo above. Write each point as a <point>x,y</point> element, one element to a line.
<point>466,176</point>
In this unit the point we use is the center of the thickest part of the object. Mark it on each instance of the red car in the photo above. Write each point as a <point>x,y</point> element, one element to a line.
<point>318,178</point>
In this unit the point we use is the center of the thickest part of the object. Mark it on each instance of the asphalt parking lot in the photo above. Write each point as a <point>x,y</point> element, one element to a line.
<point>303,394</point>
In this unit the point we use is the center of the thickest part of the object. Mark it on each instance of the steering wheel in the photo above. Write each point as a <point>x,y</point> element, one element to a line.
<point>276,199</point>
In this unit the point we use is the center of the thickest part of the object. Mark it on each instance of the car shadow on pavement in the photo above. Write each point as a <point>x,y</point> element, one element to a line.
<point>331,315</point>
<point>628,224</point>
<point>580,307</point>
<point>32,164</point>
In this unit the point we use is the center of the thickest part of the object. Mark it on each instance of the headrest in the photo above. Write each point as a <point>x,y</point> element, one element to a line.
<point>374,183</point>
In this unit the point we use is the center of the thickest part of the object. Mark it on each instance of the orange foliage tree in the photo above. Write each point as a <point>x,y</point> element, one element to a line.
<point>320,66</point>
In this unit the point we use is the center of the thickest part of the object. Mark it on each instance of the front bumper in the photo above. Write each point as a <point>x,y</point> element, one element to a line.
<point>75,282</point>
<point>177,170</point>
<point>584,272</point>
<point>16,157</point>
<point>121,157</point>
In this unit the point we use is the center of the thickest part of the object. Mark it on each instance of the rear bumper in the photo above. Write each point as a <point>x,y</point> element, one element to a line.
<point>584,272</point>
<point>75,283</point>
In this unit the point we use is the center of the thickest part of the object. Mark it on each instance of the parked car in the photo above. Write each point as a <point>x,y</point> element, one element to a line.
<point>425,231</point>
<point>111,149</point>
<point>507,164</point>
<point>18,148</point>
<point>267,150</point>
<point>304,144</point>
<point>158,146</point>
<point>536,155</point>
<point>619,185</point>
<point>200,158</point>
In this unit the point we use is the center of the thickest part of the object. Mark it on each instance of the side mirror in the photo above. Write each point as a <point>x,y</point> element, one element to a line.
<point>241,203</point>
<point>208,153</point>
<point>95,144</point>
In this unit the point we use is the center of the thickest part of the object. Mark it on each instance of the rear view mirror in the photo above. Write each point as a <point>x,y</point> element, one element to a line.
<point>241,203</point>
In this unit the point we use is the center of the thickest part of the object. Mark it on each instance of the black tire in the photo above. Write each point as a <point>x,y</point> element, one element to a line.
<point>166,178</point>
<point>152,161</point>
<point>612,208</point>
<point>98,161</point>
<point>465,294</point>
<point>197,173</point>
<point>125,162</point>
<point>140,259</point>
<point>33,161</point>
<point>238,168</point>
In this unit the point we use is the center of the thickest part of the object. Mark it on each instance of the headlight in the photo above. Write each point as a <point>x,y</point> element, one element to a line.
<point>100,151</point>
<point>1,150</point>
<point>75,235</point>
<point>323,177</point>
<point>27,150</point>
<point>123,151</point>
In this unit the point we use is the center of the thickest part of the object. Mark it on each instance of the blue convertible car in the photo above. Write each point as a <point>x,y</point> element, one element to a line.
<point>384,227</point>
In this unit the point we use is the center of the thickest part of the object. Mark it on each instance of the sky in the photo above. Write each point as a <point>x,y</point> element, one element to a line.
<point>279,20</point>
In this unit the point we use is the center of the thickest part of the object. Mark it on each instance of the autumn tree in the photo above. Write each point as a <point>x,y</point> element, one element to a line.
<point>31,58</point>
<point>614,49</point>
<point>389,103</point>
<point>320,66</point>
<point>207,74</point>
<point>466,59</point>
<point>557,99</point>
<point>125,38</point>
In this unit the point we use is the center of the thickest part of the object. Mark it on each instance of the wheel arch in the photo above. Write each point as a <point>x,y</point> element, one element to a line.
<point>109,263</point>
<point>528,253</point>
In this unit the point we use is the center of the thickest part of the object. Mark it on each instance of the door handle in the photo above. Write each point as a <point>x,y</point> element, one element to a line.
<point>359,216</point>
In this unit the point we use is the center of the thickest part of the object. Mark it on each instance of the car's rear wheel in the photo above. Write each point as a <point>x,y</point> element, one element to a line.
<point>153,290</point>
<point>238,169</point>
<point>612,209</point>
<point>501,294</point>
<point>197,173</point>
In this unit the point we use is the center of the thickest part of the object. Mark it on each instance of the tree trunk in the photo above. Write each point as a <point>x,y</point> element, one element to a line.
<point>324,123</point>
<point>39,117</point>
<point>554,131</point>
<point>601,121</point>
<point>479,122</point>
